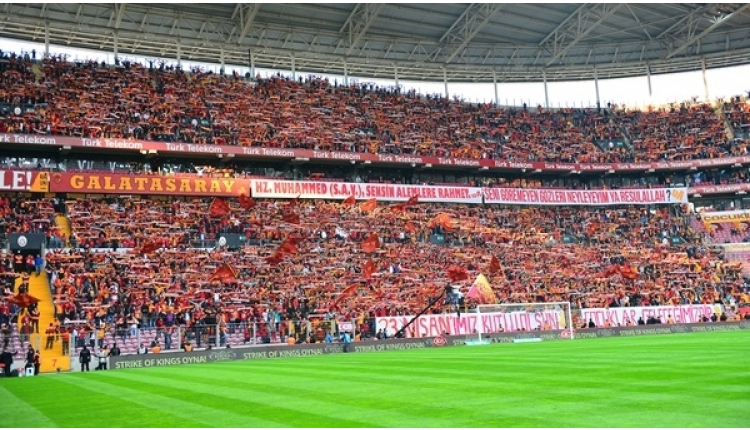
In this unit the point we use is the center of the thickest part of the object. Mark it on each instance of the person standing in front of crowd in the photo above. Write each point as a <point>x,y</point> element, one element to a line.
<point>37,362</point>
<point>84,357</point>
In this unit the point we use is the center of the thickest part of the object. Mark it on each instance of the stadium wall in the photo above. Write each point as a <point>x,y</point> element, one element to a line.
<point>284,351</point>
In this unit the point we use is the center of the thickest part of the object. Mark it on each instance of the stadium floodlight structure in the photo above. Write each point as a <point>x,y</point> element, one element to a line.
<point>515,317</point>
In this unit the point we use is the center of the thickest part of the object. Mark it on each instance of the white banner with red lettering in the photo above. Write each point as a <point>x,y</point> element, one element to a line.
<point>681,314</point>
<point>561,197</point>
<point>493,322</point>
<point>468,323</point>
<point>270,188</point>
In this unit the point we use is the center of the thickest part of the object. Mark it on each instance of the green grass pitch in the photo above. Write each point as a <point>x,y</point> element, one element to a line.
<point>683,380</point>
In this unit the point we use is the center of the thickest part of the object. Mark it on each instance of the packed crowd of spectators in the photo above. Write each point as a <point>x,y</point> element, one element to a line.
<point>547,254</point>
<point>737,112</point>
<point>153,102</point>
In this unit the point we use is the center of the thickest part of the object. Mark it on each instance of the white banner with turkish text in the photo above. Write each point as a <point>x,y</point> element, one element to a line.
<point>271,188</point>
<point>494,322</point>
<point>562,197</point>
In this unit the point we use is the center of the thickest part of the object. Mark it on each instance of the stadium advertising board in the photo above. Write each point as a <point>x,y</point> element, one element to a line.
<point>24,180</point>
<point>261,352</point>
<point>491,322</point>
<point>113,183</point>
<point>725,216</point>
<point>341,190</point>
<point>548,196</point>
<point>138,146</point>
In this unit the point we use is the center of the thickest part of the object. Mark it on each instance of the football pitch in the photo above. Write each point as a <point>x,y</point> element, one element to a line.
<point>682,380</point>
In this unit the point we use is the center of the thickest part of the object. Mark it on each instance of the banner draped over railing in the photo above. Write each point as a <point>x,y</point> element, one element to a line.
<point>115,183</point>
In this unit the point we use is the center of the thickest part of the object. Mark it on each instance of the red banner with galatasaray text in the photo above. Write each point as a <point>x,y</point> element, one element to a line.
<point>113,183</point>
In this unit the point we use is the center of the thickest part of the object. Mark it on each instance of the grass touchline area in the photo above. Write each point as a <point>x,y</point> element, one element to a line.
<point>682,380</point>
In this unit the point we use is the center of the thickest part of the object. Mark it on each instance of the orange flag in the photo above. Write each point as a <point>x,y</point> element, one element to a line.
<point>246,202</point>
<point>219,207</point>
<point>413,200</point>
<point>371,244</point>
<point>224,273</point>
<point>443,220</point>
<point>369,205</point>
<point>398,208</point>
<point>456,273</point>
<point>350,201</point>
<point>369,268</point>
<point>410,228</point>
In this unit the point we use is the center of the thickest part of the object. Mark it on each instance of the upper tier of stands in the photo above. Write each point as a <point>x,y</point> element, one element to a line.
<point>136,102</point>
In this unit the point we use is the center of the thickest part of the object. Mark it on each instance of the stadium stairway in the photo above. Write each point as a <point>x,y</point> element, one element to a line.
<point>36,68</point>
<point>51,358</point>
<point>719,109</point>
<point>63,223</point>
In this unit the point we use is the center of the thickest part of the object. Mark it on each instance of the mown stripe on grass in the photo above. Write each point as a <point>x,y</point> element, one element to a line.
<point>284,409</point>
<point>281,399</point>
<point>15,412</point>
<point>179,410</point>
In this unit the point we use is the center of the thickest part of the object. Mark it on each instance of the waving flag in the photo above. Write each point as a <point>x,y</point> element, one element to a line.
<point>369,205</point>
<point>291,218</point>
<point>369,268</point>
<point>219,207</point>
<point>371,244</point>
<point>349,201</point>
<point>481,291</point>
<point>495,266</point>
<point>456,273</point>
<point>246,202</point>
<point>224,273</point>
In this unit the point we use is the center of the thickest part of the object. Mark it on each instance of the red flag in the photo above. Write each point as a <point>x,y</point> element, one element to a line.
<point>288,247</point>
<point>293,203</point>
<point>23,300</point>
<point>219,207</point>
<point>246,202</point>
<point>350,201</point>
<point>628,272</point>
<point>413,200</point>
<point>149,246</point>
<point>291,218</point>
<point>223,273</point>
<point>275,259</point>
<point>410,228</point>
<point>369,205</point>
<point>495,266</point>
<point>456,273</point>
<point>398,208</point>
<point>371,243</point>
<point>369,268</point>
<point>348,291</point>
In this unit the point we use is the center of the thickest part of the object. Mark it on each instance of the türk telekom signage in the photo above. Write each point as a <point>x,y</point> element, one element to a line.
<point>143,146</point>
